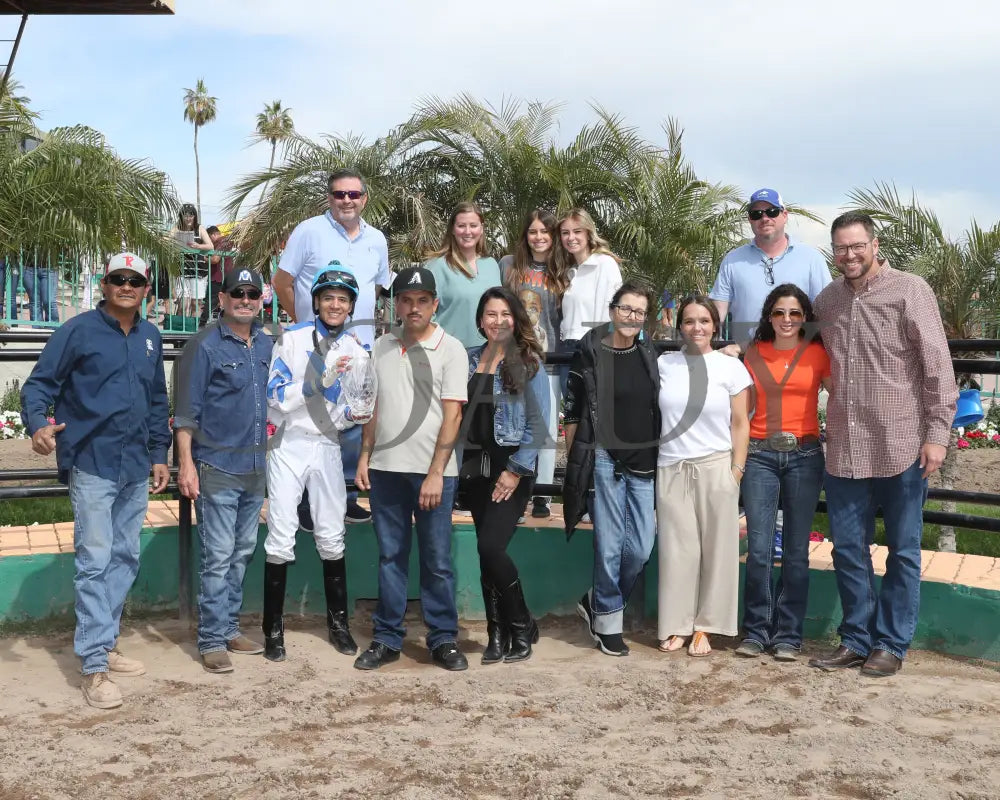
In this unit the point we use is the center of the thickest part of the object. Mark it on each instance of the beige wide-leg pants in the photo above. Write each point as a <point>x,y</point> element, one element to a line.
<point>697,528</point>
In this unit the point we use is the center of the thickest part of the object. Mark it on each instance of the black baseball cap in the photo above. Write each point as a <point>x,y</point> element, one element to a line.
<point>242,277</point>
<point>414,279</point>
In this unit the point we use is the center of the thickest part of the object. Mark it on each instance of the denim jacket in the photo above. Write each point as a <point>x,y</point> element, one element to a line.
<point>519,420</point>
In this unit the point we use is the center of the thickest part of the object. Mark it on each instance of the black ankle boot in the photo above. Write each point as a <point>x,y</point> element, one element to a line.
<point>499,638</point>
<point>335,587</point>
<point>515,615</point>
<point>274,606</point>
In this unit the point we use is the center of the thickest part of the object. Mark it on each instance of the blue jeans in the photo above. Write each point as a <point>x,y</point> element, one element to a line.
<point>10,277</point>
<point>624,532</point>
<point>350,451</point>
<point>107,518</point>
<point>887,618</point>
<point>775,614</point>
<point>228,518</point>
<point>395,502</point>
<point>42,286</point>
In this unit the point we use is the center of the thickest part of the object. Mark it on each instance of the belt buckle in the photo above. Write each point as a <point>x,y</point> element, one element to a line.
<point>783,442</point>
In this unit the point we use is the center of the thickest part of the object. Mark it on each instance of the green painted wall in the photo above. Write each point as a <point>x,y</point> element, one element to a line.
<point>38,590</point>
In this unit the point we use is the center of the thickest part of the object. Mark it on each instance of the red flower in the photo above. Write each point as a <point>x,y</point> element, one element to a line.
<point>962,444</point>
<point>271,428</point>
<point>50,420</point>
<point>996,437</point>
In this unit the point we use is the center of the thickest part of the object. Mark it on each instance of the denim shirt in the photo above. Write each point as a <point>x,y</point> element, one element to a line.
<point>519,420</point>
<point>108,387</point>
<point>220,385</point>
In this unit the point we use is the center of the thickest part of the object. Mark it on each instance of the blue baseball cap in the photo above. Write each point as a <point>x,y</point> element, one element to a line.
<point>767,196</point>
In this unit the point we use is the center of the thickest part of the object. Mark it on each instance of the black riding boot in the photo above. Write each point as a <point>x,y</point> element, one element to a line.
<point>523,628</point>
<point>499,638</point>
<point>274,606</point>
<point>335,586</point>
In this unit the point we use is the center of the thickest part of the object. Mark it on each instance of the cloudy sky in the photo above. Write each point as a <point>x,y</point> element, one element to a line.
<point>813,99</point>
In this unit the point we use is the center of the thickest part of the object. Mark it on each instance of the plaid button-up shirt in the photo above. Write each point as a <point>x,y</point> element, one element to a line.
<point>893,383</point>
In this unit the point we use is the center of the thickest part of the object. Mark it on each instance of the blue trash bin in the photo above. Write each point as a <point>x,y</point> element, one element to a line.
<point>969,410</point>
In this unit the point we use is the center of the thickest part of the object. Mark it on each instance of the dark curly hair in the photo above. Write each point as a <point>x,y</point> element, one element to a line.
<point>765,330</point>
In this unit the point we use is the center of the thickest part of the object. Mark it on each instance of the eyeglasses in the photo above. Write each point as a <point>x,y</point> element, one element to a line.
<point>768,270</point>
<point>858,248</point>
<point>628,311</point>
<point>353,194</point>
<point>135,281</point>
<point>757,213</point>
<point>794,314</point>
<point>250,294</point>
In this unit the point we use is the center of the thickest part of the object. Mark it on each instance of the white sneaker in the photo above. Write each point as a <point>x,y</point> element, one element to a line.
<point>123,665</point>
<point>100,691</point>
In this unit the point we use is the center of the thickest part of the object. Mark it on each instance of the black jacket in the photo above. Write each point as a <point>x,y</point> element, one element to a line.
<point>585,386</point>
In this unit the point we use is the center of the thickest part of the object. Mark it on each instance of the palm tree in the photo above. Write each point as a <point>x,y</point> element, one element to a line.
<point>964,274</point>
<point>199,109</point>
<point>274,124</point>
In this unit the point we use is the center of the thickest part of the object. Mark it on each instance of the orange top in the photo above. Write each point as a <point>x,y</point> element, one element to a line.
<point>787,388</point>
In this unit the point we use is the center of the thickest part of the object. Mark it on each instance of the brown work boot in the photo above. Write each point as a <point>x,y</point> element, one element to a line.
<point>216,661</point>
<point>881,664</point>
<point>100,691</point>
<point>841,658</point>
<point>244,646</point>
<point>123,665</point>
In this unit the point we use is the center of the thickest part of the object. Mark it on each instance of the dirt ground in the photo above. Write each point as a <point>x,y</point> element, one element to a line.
<point>570,723</point>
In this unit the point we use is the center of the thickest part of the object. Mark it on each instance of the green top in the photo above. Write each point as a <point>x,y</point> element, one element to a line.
<point>458,297</point>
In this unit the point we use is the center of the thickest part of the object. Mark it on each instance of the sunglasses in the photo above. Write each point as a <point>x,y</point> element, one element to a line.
<point>340,194</point>
<point>768,264</point>
<point>758,213</point>
<point>135,281</point>
<point>793,314</point>
<point>249,294</point>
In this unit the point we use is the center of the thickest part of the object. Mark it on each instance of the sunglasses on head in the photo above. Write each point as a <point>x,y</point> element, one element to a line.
<point>250,294</point>
<point>340,194</point>
<point>758,213</point>
<point>117,279</point>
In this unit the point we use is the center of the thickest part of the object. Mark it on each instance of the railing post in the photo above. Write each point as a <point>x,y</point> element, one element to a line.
<point>183,551</point>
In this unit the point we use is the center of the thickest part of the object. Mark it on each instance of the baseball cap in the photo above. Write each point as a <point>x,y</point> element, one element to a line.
<point>242,277</point>
<point>129,261</point>
<point>767,196</point>
<point>414,279</point>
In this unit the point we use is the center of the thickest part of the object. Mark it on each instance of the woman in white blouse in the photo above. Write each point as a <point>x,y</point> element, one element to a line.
<point>703,451</point>
<point>594,277</point>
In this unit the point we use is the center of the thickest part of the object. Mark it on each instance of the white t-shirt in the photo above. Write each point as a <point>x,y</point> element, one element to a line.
<point>411,385</point>
<point>318,241</point>
<point>585,302</point>
<point>706,384</point>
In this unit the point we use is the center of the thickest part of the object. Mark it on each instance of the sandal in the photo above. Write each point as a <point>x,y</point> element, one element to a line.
<point>699,638</point>
<point>671,644</point>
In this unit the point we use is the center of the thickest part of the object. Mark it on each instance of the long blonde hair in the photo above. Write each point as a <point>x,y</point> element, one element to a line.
<point>449,247</point>
<point>564,261</point>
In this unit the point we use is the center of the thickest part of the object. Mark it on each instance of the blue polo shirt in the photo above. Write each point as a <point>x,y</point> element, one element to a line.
<point>221,382</point>
<point>742,280</point>
<point>318,241</point>
<point>109,389</point>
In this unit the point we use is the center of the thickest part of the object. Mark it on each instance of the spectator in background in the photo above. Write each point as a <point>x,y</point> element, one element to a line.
<point>219,266</point>
<point>192,288</point>
<point>665,331</point>
<point>42,285</point>
<point>9,280</point>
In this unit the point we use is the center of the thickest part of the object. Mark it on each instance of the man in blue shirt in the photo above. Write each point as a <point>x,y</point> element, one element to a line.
<point>749,272</point>
<point>337,235</point>
<point>221,425</point>
<point>103,372</point>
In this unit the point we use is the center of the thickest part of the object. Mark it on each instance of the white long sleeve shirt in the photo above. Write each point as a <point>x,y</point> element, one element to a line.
<point>296,397</point>
<point>585,302</point>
